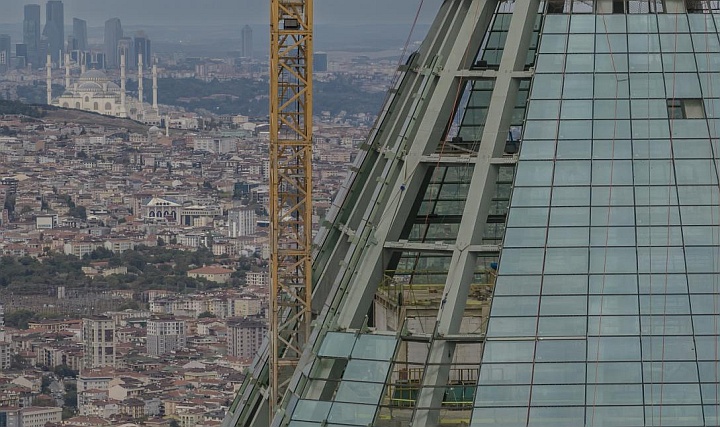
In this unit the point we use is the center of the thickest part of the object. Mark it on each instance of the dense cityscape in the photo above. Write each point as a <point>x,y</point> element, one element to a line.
<point>134,229</point>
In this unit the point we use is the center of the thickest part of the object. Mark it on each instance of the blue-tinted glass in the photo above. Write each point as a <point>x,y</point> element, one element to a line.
<point>367,370</point>
<point>571,196</point>
<point>615,416</point>
<point>565,261</point>
<point>569,216</point>
<point>612,172</point>
<point>670,348</point>
<point>645,63</point>
<point>664,304</point>
<point>528,217</point>
<point>613,260</point>
<point>565,285</point>
<point>512,326</point>
<point>556,417</point>
<point>553,43</point>
<point>670,372</point>
<point>662,284</point>
<point>578,86</point>
<point>613,196</point>
<point>642,23</point>
<point>559,373</point>
<point>604,305</point>
<point>352,413</point>
<point>607,349</point>
<point>500,417</point>
<point>666,325</point>
<point>613,216</point>
<point>614,372</point>
<point>563,306</point>
<point>337,344</point>
<point>610,43</point>
<point>561,326</point>
<point>502,395</point>
<point>612,149</point>
<point>581,43</point>
<point>508,351</point>
<point>374,347</point>
<point>560,351</point>
<point>556,24</point>
<point>615,394</point>
<point>359,392</point>
<point>515,306</point>
<point>558,395</point>
<point>659,236</point>
<point>644,43</point>
<point>537,149</point>
<point>611,63</point>
<point>605,284</point>
<point>670,415</point>
<point>613,325</point>
<point>582,24</point>
<point>524,237</point>
<point>698,195</point>
<point>612,236</point>
<point>572,172</point>
<point>579,63</point>
<point>550,63</point>
<point>530,196</point>
<point>566,237</point>
<point>311,410</point>
<point>505,373</point>
<point>672,394</point>
<point>517,285</point>
<point>537,174</point>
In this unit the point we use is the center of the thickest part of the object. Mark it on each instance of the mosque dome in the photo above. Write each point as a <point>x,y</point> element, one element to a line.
<point>87,86</point>
<point>93,76</point>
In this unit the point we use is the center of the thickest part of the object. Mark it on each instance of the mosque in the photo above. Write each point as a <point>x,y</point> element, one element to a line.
<point>94,91</point>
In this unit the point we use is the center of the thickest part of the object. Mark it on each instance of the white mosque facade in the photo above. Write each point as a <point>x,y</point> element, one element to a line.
<point>94,91</point>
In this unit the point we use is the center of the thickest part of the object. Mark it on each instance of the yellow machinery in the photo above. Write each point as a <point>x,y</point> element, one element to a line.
<point>291,37</point>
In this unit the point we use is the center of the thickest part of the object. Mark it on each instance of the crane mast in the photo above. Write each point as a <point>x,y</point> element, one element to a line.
<point>291,38</point>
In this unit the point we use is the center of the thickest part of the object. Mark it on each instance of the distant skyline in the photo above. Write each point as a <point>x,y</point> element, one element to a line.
<point>209,12</point>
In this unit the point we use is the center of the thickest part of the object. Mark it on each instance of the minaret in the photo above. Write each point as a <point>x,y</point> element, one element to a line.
<point>83,63</point>
<point>48,67</point>
<point>155,88</point>
<point>67,71</point>
<point>122,85</point>
<point>140,81</point>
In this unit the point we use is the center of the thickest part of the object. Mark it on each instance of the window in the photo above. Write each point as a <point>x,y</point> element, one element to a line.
<point>685,108</point>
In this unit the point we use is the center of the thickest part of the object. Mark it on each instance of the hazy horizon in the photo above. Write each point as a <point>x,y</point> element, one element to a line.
<point>241,12</point>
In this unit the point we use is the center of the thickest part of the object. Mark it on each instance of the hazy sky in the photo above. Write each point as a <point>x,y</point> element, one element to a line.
<point>207,12</point>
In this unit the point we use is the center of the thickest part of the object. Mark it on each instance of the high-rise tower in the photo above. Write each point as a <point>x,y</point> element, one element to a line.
<point>98,336</point>
<point>247,42</point>
<point>31,33</point>
<point>113,34</point>
<point>5,52</point>
<point>79,35</point>
<point>55,29</point>
<point>532,235</point>
<point>142,47</point>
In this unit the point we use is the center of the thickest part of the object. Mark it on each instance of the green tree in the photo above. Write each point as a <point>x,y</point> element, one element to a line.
<point>45,384</point>
<point>64,371</point>
<point>78,211</point>
<point>19,318</point>
<point>206,314</point>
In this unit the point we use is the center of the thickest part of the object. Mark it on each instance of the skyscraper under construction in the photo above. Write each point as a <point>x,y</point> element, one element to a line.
<point>531,236</point>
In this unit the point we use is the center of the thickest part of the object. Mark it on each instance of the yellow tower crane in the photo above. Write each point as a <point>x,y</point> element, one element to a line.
<point>291,39</point>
